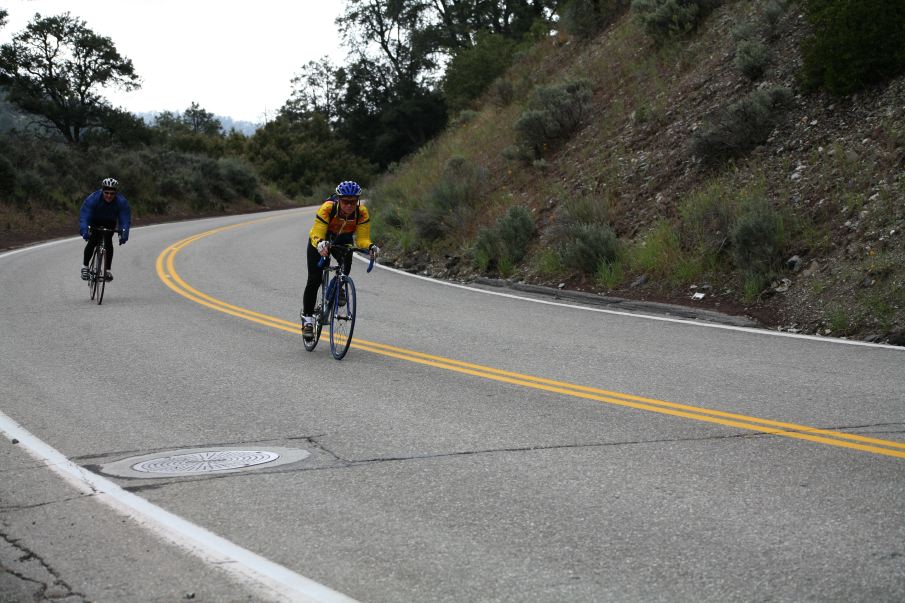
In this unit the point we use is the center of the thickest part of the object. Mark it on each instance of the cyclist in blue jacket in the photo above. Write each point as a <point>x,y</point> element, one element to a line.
<point>104,208</point>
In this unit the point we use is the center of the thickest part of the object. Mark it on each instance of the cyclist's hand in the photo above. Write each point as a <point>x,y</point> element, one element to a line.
<point>84,233</point>
<point>322,248</point>
<point>123,237</point>
<point>375,250</point>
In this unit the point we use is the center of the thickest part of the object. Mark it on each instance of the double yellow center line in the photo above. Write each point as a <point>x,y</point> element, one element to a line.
<point>167,273</point>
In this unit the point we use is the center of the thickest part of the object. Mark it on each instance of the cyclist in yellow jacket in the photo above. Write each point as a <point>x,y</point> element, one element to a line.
<point>339,220</point>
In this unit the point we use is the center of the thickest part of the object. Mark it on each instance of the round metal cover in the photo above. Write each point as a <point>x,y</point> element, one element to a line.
<point>202,461</point>
<point>206,462</point>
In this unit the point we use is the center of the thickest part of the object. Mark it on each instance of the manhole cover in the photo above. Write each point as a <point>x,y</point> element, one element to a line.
<point>202,461</point>
<point>206,462</point>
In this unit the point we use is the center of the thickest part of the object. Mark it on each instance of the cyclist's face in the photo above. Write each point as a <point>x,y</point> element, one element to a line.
<point>109,195</point>
<point>347,204</point>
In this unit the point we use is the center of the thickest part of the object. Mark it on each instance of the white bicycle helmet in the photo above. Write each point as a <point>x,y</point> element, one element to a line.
<point>110,183</point>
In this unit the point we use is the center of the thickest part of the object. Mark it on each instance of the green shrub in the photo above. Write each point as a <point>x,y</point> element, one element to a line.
<point>532,134</point>
<point>773,12</point>
<point>516,230</point>
<point>665,20</point>
<point>554,114</point>
<point>502,92</point>
<point>706,219</point>
<point>586,246</point>
<point>757,239</point>
<point>854,43</point>
<point>504,244</point>
<point>741,126</point>
<point>752,58</point>
<point>448,203</point>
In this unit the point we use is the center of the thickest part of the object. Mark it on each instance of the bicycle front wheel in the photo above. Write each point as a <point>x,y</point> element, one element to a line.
<point>101,279</point>
<point>92,273</point>
<point>342,319</point>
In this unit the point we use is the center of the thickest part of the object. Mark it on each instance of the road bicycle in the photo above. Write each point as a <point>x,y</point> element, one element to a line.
<point>97,280</point>
<point>337,305</point>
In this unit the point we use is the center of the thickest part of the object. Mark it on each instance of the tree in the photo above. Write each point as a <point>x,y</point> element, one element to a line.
<point>300,154</point>
<point>473,69</point>
<point>194,131</point>
<point>316,88</point>
<point>396,30</point>
<point>202,122</point>
<point>55,69</point>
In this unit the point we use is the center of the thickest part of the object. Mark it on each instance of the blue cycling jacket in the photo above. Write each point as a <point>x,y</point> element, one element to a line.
<point>97,211</point>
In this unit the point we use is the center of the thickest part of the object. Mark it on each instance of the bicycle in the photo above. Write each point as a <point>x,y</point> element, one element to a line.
<point>97,280</point>
<point>337,304</point>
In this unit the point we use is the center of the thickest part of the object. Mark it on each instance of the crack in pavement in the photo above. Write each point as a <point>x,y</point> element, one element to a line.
<point>43,504</point>
<point>341,462</point>
<point>346,463</point>
<point>54,588</point>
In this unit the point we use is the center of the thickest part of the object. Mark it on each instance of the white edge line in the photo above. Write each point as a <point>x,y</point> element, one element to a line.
<point>275,580</point>
<point>695,323</point>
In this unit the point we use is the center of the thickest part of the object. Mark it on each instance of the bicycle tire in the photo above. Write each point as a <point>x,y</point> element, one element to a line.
<point>92,274</point>
<point>342,319</point>
<point>101,278</point>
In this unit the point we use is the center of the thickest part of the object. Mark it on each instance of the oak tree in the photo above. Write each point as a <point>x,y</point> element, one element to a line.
<point>55,69</point>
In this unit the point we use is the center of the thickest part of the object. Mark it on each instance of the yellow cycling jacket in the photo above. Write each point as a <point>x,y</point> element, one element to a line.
<point>327,219</point>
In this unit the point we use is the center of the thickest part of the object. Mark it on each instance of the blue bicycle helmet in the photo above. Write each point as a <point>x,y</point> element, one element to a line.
<point>347,188</point>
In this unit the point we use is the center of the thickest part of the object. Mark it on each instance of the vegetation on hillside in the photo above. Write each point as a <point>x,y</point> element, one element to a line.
<point>714,153</point>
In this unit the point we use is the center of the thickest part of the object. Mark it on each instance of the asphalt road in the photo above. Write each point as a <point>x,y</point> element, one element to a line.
<point>471,446</point>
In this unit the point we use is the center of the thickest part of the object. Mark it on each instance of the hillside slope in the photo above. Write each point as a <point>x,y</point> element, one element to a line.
<point>831,170</point>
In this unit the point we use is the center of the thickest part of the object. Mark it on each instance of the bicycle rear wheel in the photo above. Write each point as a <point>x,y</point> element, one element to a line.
<point>342,319</point>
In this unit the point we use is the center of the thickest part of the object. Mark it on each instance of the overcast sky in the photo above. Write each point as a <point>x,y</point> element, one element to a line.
<point>235,59</point>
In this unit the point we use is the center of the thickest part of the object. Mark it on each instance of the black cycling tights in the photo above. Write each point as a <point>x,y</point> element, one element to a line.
<point>93,240</point>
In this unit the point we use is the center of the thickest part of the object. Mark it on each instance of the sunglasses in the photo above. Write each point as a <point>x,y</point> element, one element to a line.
<point>348,200</point>
<point>108,191</point>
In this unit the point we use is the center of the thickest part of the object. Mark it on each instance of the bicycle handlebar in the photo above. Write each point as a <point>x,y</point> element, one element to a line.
<point>323,261</point>
<point>103,229</point>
